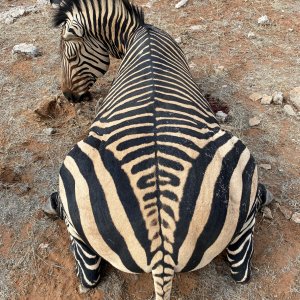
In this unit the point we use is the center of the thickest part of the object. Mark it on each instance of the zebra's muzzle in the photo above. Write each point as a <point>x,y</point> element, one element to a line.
<point>77,98</point>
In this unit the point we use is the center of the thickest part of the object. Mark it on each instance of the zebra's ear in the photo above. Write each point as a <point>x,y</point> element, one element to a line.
<point>72,32</point>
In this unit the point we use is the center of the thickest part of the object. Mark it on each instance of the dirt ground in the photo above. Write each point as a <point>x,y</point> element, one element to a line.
<point>228,64</point>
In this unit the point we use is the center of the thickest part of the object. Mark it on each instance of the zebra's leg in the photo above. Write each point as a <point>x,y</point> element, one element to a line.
<point>87,263</point>
<point>240,249</point>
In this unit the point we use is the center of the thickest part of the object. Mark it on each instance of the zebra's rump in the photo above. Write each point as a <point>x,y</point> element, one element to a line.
<point>136,212</point>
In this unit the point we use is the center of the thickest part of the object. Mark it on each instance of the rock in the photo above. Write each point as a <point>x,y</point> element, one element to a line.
<point>254,121</point>
<point>43,2</point>
<point>295,97</point>
<point>267,213</point>
<point>26,49</point>
<point>43,246</point>
<point>263,20</point>
<point>221,116</point>
<point>266,100</point>
<point>251,35</point>
<point>181,3</point>
<point>285,211</point>
<point>265,166</point>
<point>49,131</point>
<point>46,108</point>
<point>192,65</point>
<point>178,40</point>
<point>255,96</point>
<point>296,217</point>
<point>277,98</point>
<point>9,20</point>
<point>9,16</point>
<point>198,27</point>
<point>289,110</point>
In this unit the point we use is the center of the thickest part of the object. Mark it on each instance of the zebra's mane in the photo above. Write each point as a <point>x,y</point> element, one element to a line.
<point>60,16</point>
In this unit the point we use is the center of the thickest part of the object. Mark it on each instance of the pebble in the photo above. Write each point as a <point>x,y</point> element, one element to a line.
<point>49,131</point>
<point>255,96</point>
<point>266,100</point>
<point>181,3</point>
<point>265,166</point>
<point>178,40</point>
<point>263,20</point>
<point>221,116</point>
<point>286,212</point>
<point>254,121</point>
<point>296,217</point>
<point>289,110</point>
<point>26,49</point>
<point>43,246</point>
<point>192,65</point>
<point>9,16</point>
<point>197,27</point>
<point>295,97</point>
<point>267,213</point>
<point>277,98</point>
<point>251,35</point>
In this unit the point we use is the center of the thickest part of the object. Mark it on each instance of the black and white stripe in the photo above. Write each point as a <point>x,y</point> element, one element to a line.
<point>157,186</point>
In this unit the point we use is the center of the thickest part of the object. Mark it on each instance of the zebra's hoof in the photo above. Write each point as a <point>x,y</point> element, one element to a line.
<point>49,208</point>
<point>269,197</point>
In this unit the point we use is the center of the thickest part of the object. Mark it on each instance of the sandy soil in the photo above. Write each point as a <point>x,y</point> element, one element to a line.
<point>35,260</point>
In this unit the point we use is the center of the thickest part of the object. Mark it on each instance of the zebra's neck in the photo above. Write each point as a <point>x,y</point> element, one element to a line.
<point>110,22</point>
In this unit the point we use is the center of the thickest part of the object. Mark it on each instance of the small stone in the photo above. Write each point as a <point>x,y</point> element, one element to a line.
<point>251,35</point>
<point>277,98</point>
<point>9,20</point>
<point>267,213</point>
<point>43,246</point>
<point>197,27</point>
<point>295,97</point>
<point>221,116</point>
<point>43,2</point>
<point>254,121</point>
<point>49,131</point>
<point>181,3</point>
<point>265,166</point>
<point>192,65</point>
<point>26,49</point>
<point>266,100</point>
<point>263,20</point>
<point>291,29</point>
<point>296,217</point>
<point>178,40</point>
<point>285,211</point>
<point>55,3</point>
<point>255,96</point>
<point>289,110</point>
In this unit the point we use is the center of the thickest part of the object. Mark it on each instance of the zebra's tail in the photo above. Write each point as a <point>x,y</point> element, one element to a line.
<point>53,207</point>
<point>264,196</point>
<point>163,278</point>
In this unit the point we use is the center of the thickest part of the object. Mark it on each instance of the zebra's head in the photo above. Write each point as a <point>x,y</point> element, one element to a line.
<point>91,31</point>
<point>84,58</point>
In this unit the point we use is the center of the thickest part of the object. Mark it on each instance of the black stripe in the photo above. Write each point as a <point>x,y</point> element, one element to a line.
<point>192,189</point>
<point>219,206</point>
<point>105,223</point>
<point>69,185</point>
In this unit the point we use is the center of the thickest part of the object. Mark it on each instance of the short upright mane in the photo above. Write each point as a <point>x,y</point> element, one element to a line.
<point>61,17</point>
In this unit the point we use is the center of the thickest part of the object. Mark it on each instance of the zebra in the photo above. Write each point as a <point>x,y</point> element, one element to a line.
<point>156,186</point>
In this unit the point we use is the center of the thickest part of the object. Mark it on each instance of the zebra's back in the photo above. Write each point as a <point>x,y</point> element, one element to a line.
<point>157,181</point>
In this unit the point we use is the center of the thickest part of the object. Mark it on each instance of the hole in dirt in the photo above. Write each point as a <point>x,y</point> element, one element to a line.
<point>216,104</point>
